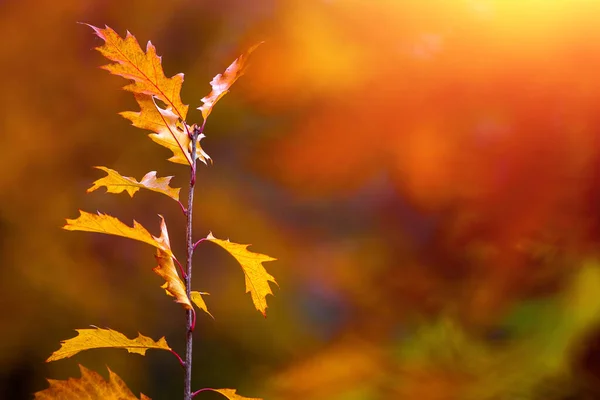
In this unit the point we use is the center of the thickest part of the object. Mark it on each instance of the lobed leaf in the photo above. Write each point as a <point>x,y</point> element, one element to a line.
<point>116,183</point>
<point>97,338</point>
<point>173,284</point>
<point>91,386</point>
<point>222,82</point>
<point>166,131</point>
<point>199,301</point>
<point>103,223</point>
<point>144,69</point>
<point>231,394</point>
<point>257,278</point>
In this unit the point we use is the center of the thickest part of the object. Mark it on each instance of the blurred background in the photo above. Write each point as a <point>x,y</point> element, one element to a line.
<point>426,172</point>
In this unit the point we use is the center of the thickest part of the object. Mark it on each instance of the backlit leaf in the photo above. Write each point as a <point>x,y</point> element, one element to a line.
<point>144,69</point>
<point>173,284</point>
<point>116,183</point>
<point>231,395</point>
<point>167,132</point>
<point>90,386</point>
<point>97,338</point>
<point>222,82</point>
<point>199,301</point>
<point>109,225</point>
<point>257,278</point>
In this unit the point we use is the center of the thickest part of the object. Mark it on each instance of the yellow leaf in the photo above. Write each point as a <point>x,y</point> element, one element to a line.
<point>144,69</point>
<point>90,386</point>
<point>231,395</point>
<point>257,278</point>
<point>166,131</point>
<point>116,183</point>
<point>199,301</point>
<point>222,82</point>
<point>173,284</point>
<point>109,225</point>
<point>97,338</point>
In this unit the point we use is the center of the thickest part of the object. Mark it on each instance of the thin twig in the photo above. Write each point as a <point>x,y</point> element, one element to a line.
<point>190,314</point>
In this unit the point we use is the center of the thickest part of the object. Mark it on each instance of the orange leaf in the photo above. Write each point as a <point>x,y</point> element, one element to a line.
<point>231,395</point>
<point>257,278</point>
<point>144,69</point>
<point>166,131</point>
<point>103,223</point>
<point>91,385</point>
<point>199,301</point>
<point>222,82</point>
<point>173,284</point>
<point>97,338</point>
<point>115,183</point>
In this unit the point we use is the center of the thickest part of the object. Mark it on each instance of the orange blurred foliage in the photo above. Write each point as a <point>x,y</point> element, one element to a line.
<point>402,159</point>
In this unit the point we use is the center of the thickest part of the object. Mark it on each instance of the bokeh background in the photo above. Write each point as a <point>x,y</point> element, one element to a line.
<point>426,172</point>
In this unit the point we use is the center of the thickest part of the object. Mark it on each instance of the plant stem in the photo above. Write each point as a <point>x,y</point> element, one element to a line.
<point>190,320</point>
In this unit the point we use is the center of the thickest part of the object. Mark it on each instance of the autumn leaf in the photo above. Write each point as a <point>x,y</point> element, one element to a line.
<point>173,284</point>
<point>91,386</point>
<point>222,82</point>
<point>167,133</point>
<point>199,301</point>
<point>144,69</point>
<point>97,338</point>
<point>116,183</point>
<point>231,395</point>
<point>103,223</point>
<point>257,278</point>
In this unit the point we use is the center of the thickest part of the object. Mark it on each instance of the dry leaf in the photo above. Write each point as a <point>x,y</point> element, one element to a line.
<point>257,278</point>
<point>222,82</point>
<point>144,69</point>
<point>199,301</point>
<point>109,225</point>
<point>167,133</point>
<point>97,338</point>
<point>116,183</point>
<point>173,284</point>
<point>231,395</point>
<point>91,386</point>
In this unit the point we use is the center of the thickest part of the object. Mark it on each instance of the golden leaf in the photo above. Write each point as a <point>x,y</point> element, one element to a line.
<point>166,131</point>
<point>90,386</point>
<point>103,223</point>
<point>231,395</point>
<point>222,82</point>
<point>173,284</point>
<point>144,69</point>
<point>116,183</point>
<point>199,301</point>
<point>97,338</point>
<point>257,278</point>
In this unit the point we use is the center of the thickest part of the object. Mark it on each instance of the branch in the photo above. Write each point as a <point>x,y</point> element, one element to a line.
<point>190,314</point>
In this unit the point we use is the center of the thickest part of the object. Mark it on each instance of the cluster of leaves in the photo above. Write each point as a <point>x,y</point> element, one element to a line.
<point>163,113</point>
